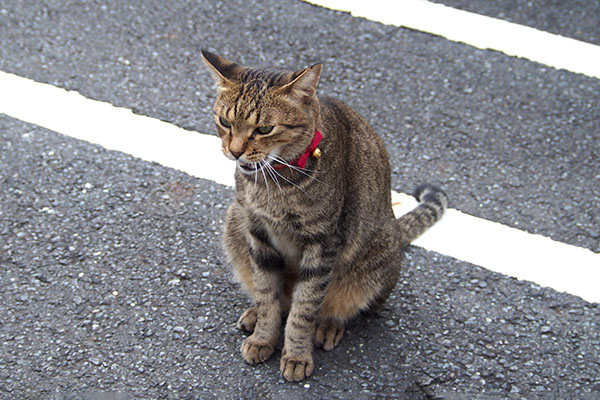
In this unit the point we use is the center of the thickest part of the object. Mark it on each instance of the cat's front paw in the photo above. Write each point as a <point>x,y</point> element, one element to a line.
<point>256,351</point>
<point>296,368</point>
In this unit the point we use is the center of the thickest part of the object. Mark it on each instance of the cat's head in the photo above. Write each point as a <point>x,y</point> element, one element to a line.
<point>263,114</point>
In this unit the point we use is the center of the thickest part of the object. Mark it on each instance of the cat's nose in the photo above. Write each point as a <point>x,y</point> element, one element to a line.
<point>236,154</point>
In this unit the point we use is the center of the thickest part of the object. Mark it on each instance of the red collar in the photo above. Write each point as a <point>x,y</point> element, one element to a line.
<point>310,150</point>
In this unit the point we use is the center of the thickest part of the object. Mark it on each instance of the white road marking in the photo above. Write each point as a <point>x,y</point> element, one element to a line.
<point>488,244</point>
<point>113,127</point>
<point>510,251</point>
<point>479,31</point>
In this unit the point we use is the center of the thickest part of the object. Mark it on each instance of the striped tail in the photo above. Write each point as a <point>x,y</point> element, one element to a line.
<point>433,203</point>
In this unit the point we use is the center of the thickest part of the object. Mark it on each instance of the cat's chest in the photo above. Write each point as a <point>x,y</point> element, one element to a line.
<point>284,228</point>
<point>285,220</point>
<point>287,245</point>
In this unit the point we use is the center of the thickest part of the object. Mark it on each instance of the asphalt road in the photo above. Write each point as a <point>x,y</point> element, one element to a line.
<point>113,282</point>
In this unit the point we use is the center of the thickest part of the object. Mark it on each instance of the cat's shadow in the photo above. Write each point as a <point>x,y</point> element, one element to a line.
<point>374,346</point>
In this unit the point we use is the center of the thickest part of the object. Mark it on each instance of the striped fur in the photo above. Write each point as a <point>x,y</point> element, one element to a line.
<point>319,244</point>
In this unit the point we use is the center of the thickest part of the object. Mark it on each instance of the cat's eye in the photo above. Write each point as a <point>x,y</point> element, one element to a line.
<point>224,122</point>
<point>263,130</point>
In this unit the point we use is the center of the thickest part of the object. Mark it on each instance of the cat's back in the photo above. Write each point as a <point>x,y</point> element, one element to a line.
<point>360,160</point>
<point>337,115</point>
<point>354,134</point>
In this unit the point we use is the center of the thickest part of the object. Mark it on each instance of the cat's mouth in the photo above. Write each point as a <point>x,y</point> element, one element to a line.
<point>248,168</point>
<point>268,162</point>
<point>251,167</point>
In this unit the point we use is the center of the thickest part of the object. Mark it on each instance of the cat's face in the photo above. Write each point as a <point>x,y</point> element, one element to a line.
<point>263,116</point>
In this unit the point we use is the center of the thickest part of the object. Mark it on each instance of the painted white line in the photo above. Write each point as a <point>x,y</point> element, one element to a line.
<point>479,31</point>
<point>500,248</point>
<point>114,128</point>
<point>488,244</point>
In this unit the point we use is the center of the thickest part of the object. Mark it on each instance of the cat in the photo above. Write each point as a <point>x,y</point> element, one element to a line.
<point>311,232</point>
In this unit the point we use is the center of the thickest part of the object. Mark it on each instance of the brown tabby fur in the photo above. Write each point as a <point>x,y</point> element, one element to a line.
<point>319,244</point>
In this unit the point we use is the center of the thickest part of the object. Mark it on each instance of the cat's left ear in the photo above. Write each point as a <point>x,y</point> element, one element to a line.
<point>305,82</point>
<point>223,70</point>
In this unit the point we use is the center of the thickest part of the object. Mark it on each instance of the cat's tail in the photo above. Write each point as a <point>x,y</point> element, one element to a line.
<point>432,204</point>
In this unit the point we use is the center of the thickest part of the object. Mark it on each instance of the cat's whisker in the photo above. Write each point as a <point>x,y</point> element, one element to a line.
<point>284,178</point>
<point>255,178</point>
<point>282,161</point>
<point>295,168</point>
<point>267,166</point>
<point>266,183</point>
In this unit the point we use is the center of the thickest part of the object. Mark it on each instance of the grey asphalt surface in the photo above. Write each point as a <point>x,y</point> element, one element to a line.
<point>113,280</point>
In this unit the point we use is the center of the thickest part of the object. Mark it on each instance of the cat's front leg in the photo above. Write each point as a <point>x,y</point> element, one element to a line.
<point>267,271</point>
<point>313,277</point>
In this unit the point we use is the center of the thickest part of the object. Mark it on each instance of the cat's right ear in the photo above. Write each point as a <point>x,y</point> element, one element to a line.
<point>304,83</point>
<point>223,70</point>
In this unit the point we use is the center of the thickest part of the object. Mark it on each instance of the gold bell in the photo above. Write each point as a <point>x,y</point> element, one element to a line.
<point>317,153</point>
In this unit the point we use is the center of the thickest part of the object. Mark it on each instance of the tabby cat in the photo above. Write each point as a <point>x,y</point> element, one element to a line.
<point>311,233</point>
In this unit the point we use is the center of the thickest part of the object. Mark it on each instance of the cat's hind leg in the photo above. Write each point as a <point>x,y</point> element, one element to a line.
<point>247,320</point>
<point>362,286</point>
<point>343,301</point>
<point>329,333</point>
